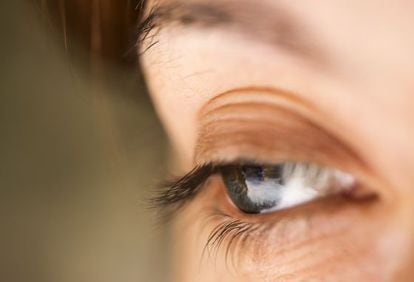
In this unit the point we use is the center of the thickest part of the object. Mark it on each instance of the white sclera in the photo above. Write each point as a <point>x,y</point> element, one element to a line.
<point>301,185</point>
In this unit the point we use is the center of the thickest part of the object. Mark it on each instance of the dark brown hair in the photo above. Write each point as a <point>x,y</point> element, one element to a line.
<point>106,29</point>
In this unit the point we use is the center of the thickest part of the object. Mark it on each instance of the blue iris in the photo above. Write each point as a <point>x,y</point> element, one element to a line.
<point>254,188</point>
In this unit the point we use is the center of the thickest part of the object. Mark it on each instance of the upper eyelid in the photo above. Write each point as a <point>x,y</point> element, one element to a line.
<point>339,152</point>
<point>289,127</point>
<point>267,96</point>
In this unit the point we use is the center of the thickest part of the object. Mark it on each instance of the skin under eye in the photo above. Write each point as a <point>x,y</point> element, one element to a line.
<point>266,188</point>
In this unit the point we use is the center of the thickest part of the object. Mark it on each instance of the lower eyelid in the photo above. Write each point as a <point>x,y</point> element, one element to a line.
<point>286,229</point>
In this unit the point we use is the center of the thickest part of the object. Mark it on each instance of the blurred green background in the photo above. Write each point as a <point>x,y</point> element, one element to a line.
<point>79,156</point>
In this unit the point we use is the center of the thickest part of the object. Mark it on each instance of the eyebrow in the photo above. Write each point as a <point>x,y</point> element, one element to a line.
<point>259,21</point>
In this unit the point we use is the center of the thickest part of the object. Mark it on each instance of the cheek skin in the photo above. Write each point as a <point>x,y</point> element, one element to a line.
<point>332,240</point>
<point>343,247</point>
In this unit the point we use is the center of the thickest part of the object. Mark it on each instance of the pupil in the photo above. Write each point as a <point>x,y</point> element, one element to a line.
<point>253,173</point>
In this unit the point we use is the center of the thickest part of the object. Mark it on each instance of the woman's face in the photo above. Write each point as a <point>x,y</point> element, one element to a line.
<point>295,120</point>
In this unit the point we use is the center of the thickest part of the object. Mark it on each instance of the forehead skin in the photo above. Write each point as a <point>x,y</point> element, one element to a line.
<point>366,92</point>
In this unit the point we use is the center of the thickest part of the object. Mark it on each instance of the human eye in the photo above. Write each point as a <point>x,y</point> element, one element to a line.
<point>242,205</point>
<point>260,177</point>
<point>255,188</point>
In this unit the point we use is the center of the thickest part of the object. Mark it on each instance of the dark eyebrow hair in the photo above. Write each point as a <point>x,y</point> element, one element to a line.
<point>259,21</point>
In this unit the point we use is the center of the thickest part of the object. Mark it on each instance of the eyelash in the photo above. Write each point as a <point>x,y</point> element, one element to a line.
<point>172,195</point>
<point>229,234</point>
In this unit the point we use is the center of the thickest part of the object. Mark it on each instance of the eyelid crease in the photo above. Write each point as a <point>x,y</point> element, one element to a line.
<point>280,98</point>
<point>272,128</point>
<point>228,112</point>
<point>267,94</point>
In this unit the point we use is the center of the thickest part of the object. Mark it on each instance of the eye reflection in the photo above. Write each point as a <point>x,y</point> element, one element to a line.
<point>266,188</point>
